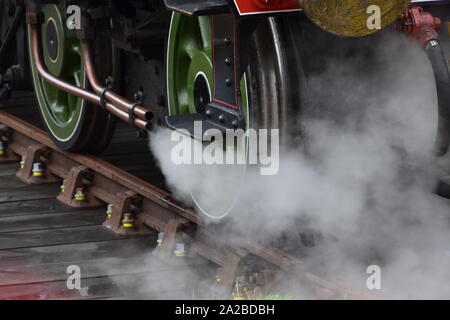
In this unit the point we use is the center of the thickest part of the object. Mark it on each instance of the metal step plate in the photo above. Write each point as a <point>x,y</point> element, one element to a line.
<point>195,8</point>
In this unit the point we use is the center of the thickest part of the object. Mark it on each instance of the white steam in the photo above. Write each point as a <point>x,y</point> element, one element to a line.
<point>365,179</point>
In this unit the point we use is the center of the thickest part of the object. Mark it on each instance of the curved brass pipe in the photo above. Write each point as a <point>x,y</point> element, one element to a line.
<point>109,95</point>
<point>74,90</point>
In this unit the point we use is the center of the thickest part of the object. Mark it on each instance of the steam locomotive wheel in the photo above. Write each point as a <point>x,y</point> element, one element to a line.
<point>73,123</point>
<point>271,93</point>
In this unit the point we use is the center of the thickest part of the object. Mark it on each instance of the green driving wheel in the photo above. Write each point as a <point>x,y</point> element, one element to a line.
<point>73,123</point>
<point>189,89</point>
<point>268,98</point>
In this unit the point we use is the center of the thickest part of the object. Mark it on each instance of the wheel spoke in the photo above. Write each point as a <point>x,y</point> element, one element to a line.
<point>204,23</point>
<point>76,49</point>
<point>191,37</point>
<point>51,91</point>
<point>191,46</point>
<point>184,100</point>
<point>71,99</point>
<point>61,108</point>
<point>77,78</point>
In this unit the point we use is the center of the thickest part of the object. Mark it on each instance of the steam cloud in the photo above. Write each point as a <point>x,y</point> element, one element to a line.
<point>364,179</point>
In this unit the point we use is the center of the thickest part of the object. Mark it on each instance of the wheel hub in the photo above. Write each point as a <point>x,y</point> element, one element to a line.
<point>202,93</point>
<point>54,43</point>
<point>52,40</point>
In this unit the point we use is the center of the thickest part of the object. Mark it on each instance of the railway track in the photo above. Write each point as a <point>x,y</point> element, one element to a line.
<point>53,209</point>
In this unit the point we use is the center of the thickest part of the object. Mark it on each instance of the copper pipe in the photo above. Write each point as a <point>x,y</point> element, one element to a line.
<point>109,95</point>
<point>74,90</point>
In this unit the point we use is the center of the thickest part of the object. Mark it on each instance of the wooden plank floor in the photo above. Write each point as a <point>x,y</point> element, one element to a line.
<point>40,238</point>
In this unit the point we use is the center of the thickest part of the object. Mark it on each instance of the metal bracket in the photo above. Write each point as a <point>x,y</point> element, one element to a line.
<point>198,7</point>
<point>167,246</point>
<point>230,59</point>
<point>128,202</point>
<point>75,183</point>
<point>7,155</point>
<point>173,233</point>
<point>36,154</point>
<point>227,273</point>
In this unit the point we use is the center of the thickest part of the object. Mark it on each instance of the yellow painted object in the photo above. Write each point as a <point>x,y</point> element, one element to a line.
<point>160,239</point>
<point>22,162</point>
<point>80,196</point>
<point>109,210</point>
<point>349,18</point>
<point>238,298</point>
<point>63,186</point>
<point>180,250</point>
<point>2,152</point>
<point>38,170</point>
<point>128,220</point>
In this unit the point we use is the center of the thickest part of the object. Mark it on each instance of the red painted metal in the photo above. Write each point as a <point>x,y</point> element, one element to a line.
<point>421,25</point>
<point>248,7</point>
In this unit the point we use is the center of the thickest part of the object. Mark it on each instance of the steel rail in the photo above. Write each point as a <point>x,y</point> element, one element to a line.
<point>106,169</point>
